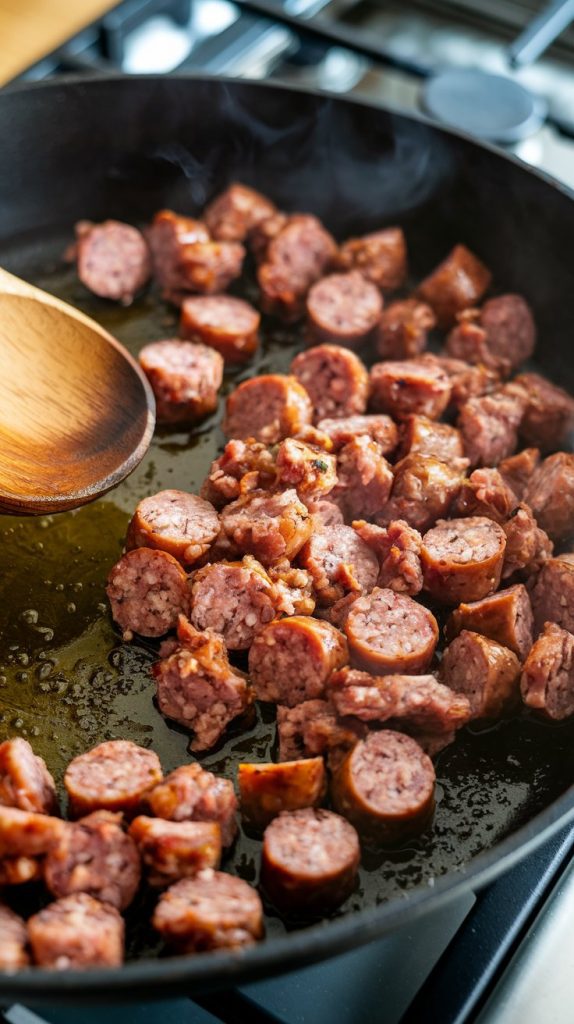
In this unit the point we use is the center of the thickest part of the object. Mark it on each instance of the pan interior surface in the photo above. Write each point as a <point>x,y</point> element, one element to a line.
<point>67,681</point>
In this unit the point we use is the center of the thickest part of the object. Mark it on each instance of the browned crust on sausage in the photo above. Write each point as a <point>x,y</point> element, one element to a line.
<point>234,599</point>
<point>291,659</point>
<point>75,932</point>
<point>423,490</point>
<point>182,524</point>
<point>232,214</point>
<point>343,309</point>
<point>390,633</point>
<point>13,941</point>
<point>411,386</point>
<point>403,328</point>
<point>211,911</point>
<point>336,380</point>
<point>268,789</point>
<point>381,257</point>
<point>267,408</point>
<point>462,559</point>
<point>25,781</point>
<point>339,562</point>
<point>458,283</point>
<point>223,322</point>
<point>269,526</point>
<point>113,776</point>
<point>95,856</point>
<point>547,682</point>
<point>191,793</point>
<point>484,671</point>
<point>171,850</point>
<point>550,494</point>
<point>379,427</point>
<point>552,594</point>
<point>505,617</point>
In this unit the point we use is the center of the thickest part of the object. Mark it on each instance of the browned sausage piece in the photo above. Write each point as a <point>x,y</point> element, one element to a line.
<point>325,514</point>
<point>390,633</point>
<point>339,561</point>
<point>550,494</point>
<point>267,408</point>
<point>501,335</point>
<point>462,559</point>
<point>365,479</point>
<point>379,428</point>
<point>239,458</point>
<point>227,324</point>
<point>25,781</point>
<point>267,526</point>
<point>385,787</point>
<point>423,491</point>
<point>291,660</point>
<point>293,586</point>
<point>168,235</point>
<point>95,855</point>
<point>19,870</point>
<point>343,309</point>
<point>409,387</point>
<point>211,911</point>
<point>296,257</point>
<point>182,524</point>
<point>484,671</point>
<point>312,729</point>
<point>549,416</point>
<point>306,467</point>
<point>467,381</point>
<point>185,379</point>
<point>27,834</point>
<point>175,849</point>
<point>505,617</point>
<point>485,493</point>
<point>422,436</point>
<point>457,283</point>
<point>196,685</point>
<point>309,862</point>
<point>335,379</point>
<point>234,212</point>
<point>403,329</point>
<point>517,469</point>
<point>261,236</point>
<point>234,599</point>
<point>190,793</point>
<point>381,257</point>
<point>547,682</point>
<point>489,425</point>
<point>147,590</point>
<point>113,260</point>
<point>527,546</point>
<point>552,595</point>
<point>76,932</point>
<point>267,789</point>
<point>398,548</point>
<point>207,268</point>
<point>113,776</point>
<point>13,941</point>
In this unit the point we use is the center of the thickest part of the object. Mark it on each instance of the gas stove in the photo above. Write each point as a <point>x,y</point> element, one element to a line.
<point>503,955</point>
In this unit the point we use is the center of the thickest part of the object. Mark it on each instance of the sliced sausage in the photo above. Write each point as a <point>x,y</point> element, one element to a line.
<point>309,862</point>
<point>489,425</point>
<point>291,660</point>
<point>225,323</point>
<point>197,687</point>
<point>13,941</point>
<point>552,595</point>
<point>457,283</point>
<point>26,833</point>
<point>171,850</point>
<point>25,781</point>
<point>268,789</point>
<point>147,590</point>
<point>207,268</point>
<point>409,387</point>
<point>19,871</point>
<point>548,419</point>
<point>485,493</point>
<point>113,260</point>
<point>293,588</point>
<point>234,212</point>
<point>267,408</point>
<point>339,562</point>
<point>167,236</point>
<point>505,617</point>
<point>390,633</point>
<point>547,682</point>
<point>462,559</point>
<point>527,546</point>
<point>312,729</point>
<point>398,548</point>
<point>422,436</point>
<point>95,855</point>
<point>234,599</point>
<point>267,526</point>
<point>385,787</point>
<point>364,479</point>
<point>379,428</point>
<point>306,467</point>
<point>517,469</point>
<point>211,911</point>
<point>185,379</point>
<point>263,233</point>
<point>343,309</point>
<point>381,257</point>
<point>335,379</point>
<point>240,459</point>
<point>296,257</point>
<point>113,776</point>
<point>423,491</point>
<point>77,932</point>
<point>402,331</point>
<point>325,514</point>
<point>484,671</point>
<point>182,524</point>
<point>190,793</point>
<point>550,494</point>
<point>467,381</point>
<point>501,335</point>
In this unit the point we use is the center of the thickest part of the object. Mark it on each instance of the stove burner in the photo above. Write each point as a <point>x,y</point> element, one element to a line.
<point>487,106</point>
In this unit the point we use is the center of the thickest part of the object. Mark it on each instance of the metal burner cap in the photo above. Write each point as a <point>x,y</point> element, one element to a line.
<point>488,106</point>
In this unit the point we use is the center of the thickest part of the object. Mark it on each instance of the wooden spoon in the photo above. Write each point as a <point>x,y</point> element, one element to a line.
<point>76,411</point>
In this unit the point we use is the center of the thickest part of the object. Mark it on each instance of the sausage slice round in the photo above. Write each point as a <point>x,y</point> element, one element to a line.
<point>409,387</point>
<point>225,323</point>
<point>339,562</point>
<point>27,834</point>
<point>114,776</point>
<point>552,595</point>
<point>309,861</point>
<point>113,260</point>
<point>505,617</point>
<point>234,212</point>
<point>335,379</point>
<point>171,850</point>
<point>267,408</point>
<point>484,671</point>
<point>550,494</point>
<point>96,856</point>
<point>76,932</point>
<point>182,524</point>
<point>190,793</point>
<point>458,283</point>
<point>267,526</point>
<point>291,660</point>
<point>147,590</point>
<point>390,633</point>
<point>211,911</point>
<point>185,378</point>
<point>380,256</point>
<point>13,941</point>
<point>378,427</point>
<point>268,789</point>
<point>549,416</point>
<point>234,599</point>
<point>385,787</point>
<point>25,781</point>
<point>547,682</point>
<point>462,559</point>
<point>403,329</point>
<point>343,309</point>
<point>296,256</point>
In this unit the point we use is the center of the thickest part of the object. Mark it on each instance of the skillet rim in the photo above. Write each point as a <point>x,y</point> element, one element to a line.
<point>151,977</point>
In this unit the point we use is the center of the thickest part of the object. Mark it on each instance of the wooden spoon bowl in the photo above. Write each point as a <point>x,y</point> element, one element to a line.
<point>76,411</point>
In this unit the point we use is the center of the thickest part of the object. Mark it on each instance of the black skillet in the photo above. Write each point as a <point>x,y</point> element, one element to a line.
<point>123,148</point>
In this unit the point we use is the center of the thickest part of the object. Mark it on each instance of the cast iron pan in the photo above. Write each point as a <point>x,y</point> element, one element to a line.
<point>123,148</point>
